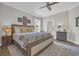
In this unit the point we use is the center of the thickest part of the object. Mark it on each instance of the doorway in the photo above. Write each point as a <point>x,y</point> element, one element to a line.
<point>50,27</point>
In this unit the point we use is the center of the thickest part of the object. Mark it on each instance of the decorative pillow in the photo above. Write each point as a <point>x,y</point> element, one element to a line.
<point>23,30</point>
<point>17,30</point>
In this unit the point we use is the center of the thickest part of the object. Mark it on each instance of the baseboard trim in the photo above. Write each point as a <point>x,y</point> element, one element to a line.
<point>74,42</point>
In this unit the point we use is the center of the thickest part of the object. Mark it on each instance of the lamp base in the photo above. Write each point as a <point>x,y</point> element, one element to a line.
<point>6,33</point>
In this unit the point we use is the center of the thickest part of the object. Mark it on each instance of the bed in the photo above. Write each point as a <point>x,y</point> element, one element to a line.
<point>30,43</point>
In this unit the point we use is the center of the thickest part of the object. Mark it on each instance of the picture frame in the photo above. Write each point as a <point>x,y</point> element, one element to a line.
<point>20,19</point>
<point>77,21</point>
<point>24,18</point>
<point>28,21</point>
<point>24,22</point>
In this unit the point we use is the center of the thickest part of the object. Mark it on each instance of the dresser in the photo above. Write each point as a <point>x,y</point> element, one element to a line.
<point>61,36</point>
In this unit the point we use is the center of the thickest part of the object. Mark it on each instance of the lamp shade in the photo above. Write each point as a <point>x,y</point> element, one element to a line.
<point>7,29</point>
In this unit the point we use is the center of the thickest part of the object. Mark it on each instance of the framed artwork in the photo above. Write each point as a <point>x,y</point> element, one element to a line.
<point>20,19</point>
<point>24,22</point>
<point>24,18</point>
<point>28,21</point>
<point>77,21</point>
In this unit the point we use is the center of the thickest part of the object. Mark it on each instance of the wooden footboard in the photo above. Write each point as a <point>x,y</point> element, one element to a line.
<point>36,47</point>
<point>40,47</point>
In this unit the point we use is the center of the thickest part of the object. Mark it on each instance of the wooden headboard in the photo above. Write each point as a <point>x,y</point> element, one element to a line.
<point>13,26</point>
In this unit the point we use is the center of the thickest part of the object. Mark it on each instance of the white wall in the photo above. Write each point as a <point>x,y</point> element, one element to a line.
<point>73,13</point>
<point>9,15</point>
<point>45,20</point>
<point>68,21</point>
<point>61,18</point>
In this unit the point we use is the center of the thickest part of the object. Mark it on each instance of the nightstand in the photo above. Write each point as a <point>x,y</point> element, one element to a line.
<point>6,40</point>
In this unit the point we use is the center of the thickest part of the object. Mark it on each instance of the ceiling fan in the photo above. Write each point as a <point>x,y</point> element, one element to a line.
<point>48,5</point>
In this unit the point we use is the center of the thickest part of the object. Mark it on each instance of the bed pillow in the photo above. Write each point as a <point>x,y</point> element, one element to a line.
<point>17,30</point>
<point>23,30</point>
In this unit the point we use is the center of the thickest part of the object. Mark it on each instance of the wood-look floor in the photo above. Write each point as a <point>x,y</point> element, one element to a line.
<point>58,48</point>
<point>0,51</point>
<point>4,51</point>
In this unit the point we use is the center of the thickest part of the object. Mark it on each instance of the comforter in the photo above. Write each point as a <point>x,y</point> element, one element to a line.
<point>33,36</point>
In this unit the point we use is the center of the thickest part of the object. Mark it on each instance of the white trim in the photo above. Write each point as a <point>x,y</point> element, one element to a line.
<point>74,42</point>
<point>73,7</point>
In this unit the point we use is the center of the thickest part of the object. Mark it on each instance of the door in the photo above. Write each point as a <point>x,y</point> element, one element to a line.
<point>50,27</point>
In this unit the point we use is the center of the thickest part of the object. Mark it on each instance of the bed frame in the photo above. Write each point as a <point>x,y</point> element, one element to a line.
<point>34,48</point>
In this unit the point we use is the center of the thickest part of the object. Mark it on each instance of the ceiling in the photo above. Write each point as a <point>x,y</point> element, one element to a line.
<point>33,7</point>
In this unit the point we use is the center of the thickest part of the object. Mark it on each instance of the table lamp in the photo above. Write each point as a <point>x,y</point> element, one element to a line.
<point>7,29</point>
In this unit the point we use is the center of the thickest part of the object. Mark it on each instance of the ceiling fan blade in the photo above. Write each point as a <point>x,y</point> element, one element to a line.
<point>48,5</point>
<point>49,8</point>
<point>53,3</point>
<point>42,7</point>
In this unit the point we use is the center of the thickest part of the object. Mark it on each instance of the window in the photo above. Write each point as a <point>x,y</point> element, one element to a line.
<point>37,24</point>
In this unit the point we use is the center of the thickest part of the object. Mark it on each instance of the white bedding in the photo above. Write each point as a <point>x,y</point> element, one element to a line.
<point>16,38</point>
<point>21,43</point>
